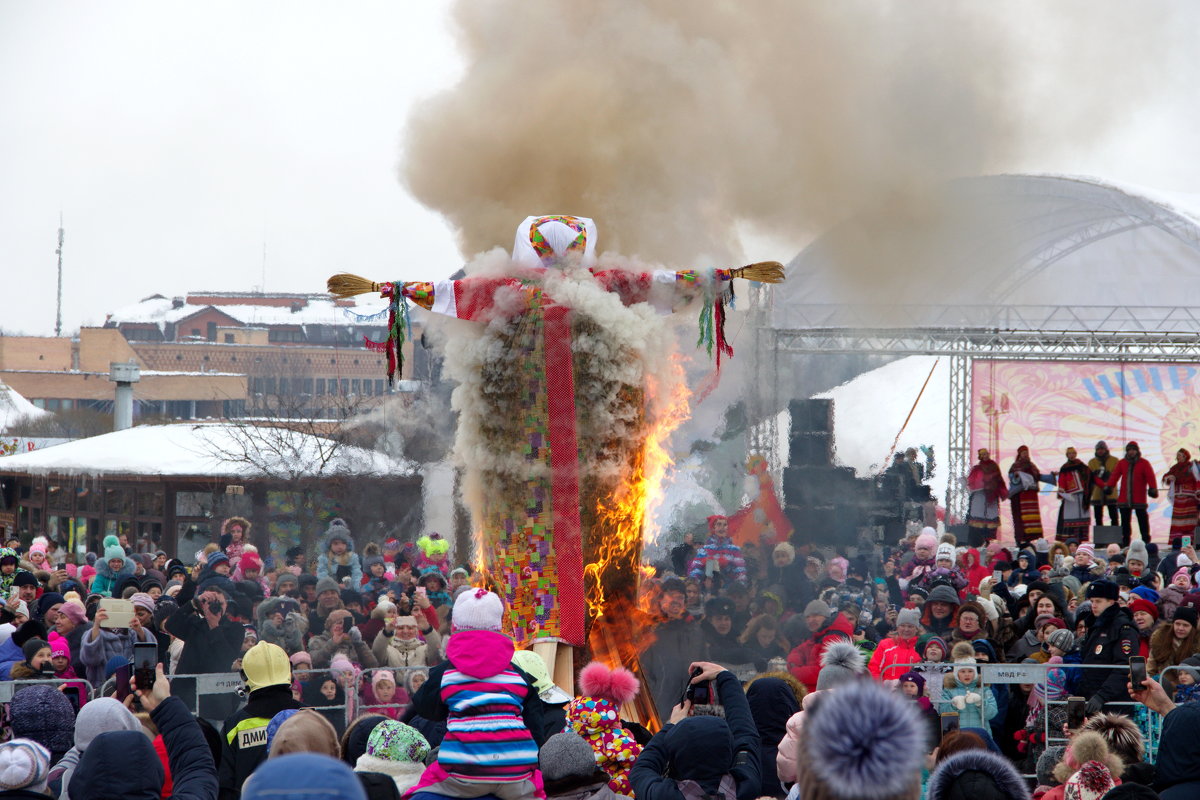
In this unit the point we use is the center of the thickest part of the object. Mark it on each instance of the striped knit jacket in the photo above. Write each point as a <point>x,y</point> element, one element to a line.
<point>493,714</point>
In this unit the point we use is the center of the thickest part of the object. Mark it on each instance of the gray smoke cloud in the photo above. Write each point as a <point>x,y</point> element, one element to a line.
<point>680,129</point>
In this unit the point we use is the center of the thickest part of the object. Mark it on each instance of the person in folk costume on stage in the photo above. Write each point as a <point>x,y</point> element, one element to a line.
<point>1102,466</point>
<point>986,485</point>
<point>1135,481</point>
<point>553,407</point>
<point>1074,493</point>
<point>1183,478</point>
<point>1023,477</point>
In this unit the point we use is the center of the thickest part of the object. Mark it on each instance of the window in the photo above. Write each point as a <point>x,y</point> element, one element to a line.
<point>211,332</point>
<point>195,331</point>
<point>380,386</point>
<point>355,386</point>
<point>229,338</point>
<point>320,387</point>
<point>345,386</point>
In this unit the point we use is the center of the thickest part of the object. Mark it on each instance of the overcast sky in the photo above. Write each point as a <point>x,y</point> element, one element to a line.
<point>178,139</point>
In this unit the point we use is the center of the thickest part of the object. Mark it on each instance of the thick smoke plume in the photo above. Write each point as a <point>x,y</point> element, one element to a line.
<point>680,128</point>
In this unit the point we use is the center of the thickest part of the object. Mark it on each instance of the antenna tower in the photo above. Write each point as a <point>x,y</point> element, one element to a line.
<point>58,252</point>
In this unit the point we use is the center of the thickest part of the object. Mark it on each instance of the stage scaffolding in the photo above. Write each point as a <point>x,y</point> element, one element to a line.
<point>963,334</point>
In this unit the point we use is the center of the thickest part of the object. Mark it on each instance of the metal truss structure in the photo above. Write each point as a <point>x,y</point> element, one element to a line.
<point>967,333</point>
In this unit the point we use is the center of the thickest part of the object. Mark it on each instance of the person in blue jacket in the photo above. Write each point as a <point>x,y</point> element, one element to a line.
<point>122,765</point>
<point>709,751</point>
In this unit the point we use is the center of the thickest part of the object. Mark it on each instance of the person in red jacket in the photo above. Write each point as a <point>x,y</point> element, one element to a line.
<point>1136,480</point>
<point>804,662</point>
<point>896,654</point>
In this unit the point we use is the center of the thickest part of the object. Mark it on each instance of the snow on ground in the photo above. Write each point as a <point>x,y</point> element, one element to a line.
<point>209,449</point>
<point>14,407</point>
<point>870,409</point>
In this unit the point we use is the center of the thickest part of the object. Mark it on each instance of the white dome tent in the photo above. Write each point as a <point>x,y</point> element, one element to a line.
<point>1026,267</point>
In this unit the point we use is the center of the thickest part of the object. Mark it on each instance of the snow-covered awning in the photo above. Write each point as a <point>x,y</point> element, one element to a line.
<point>208,450</point>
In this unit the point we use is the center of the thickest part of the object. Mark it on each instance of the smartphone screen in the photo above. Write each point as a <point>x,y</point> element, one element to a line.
<point>145,659</point>
<point>72,695</point>
<point>121,676</point>
<point>949,723</point>
<point>997,575</point>
<point>1187,541</point>
<point>1137,672</point>
<point>1076,711</point>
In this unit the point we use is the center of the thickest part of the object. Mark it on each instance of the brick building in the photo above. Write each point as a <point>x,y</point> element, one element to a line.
<point>214,355</point>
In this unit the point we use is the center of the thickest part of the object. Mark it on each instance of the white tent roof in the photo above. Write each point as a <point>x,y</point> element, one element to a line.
<point>219,450</point>
<point>981,244</point>
<point>14,407</point>
<point>316,311</point>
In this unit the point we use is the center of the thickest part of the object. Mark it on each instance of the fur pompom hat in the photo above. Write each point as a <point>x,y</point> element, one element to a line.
<point>618,685</point>
<point>862,742</point>
<point>841,662</point>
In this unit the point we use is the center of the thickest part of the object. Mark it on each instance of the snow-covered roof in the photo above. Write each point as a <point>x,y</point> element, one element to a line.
<point>870,410</point>
<point>14,407</point>
<point>217,450</point>
<point>995,242</point>
<point>317,311</point>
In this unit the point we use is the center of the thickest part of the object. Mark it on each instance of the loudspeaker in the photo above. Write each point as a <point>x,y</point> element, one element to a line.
<point>811,449</point>
<point>811,416</point>
<point>1107,534</point>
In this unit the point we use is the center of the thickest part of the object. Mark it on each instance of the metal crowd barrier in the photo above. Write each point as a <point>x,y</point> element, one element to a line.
<point>11,687</point>
<point>1149,722</point>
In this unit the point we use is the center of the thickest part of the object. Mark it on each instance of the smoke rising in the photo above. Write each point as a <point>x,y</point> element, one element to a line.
<point>680,129</point>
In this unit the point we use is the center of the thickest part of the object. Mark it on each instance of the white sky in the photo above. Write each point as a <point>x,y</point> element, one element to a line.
<point>177,138</point>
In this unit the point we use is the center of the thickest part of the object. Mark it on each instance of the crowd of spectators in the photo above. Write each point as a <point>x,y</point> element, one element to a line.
<point>775,669</point>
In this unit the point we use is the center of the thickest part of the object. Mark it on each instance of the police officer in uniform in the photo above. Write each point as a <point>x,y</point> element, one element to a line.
<point>1111,639</point>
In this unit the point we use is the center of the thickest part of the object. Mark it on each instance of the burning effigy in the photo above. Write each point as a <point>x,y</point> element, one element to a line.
<point>567,390</point>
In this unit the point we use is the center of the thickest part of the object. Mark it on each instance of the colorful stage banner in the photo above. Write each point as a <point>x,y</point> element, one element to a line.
<point>1053,405</point>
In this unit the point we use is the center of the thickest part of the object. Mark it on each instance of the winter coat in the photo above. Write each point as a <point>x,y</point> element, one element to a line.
<point>123,764</point>
<point>894,657</point>
<point>1134,479</point>
<point>1111,639</point>
<point>99,716</point>
<point>785,759</point>
<point>289,636</point>
<point>598,721</point>
<point>706,750</point>
<point>404,774</point>
<point>244,736</point>
<point>329,564</point>
<point>205,650</point>
<point>109,643</point>
<point>728,555</point>
<point>1169,599</point>
<point>392,652</point>
<point>772,704</point>
<point>979,705</point>
<point>1024,647</point>
<point>323,650</point>
<point>105,580</point>
<point>804,662</point>
<point>1177,768</point>
<point>599,791</point>
<point>480,663</point>
<point>974,570</point>
<point>676,644</point>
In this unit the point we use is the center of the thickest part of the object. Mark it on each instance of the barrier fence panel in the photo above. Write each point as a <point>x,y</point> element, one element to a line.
<point>1035,676</point>
<point>11,687</point>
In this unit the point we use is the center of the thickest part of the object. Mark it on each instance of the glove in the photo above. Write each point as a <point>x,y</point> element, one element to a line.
<point>973,698</point>
<point>355,636</point>
<point>1152,492</point>
<point>959,702</point>
<point>1094,706</point>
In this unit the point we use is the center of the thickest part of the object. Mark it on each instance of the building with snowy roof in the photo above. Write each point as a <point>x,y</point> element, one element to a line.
<point>169,486</point>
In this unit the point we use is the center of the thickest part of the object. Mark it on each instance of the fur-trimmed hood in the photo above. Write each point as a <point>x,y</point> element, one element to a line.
<point>406,774</point>
<point>102,568</point>
<point>976,775</point>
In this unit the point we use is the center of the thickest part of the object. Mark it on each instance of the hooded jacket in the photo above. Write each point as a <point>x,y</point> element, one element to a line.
<point>244,736</point>
<point>303,775</point>
<point>976,775</point>
<point>705,750</point>
<point>328,563</point>
<point>772,704</point>
<point>1177,769</point>
<point>289,636</point>
<point>99,716</point>
<point>894,657</point>
<point>122,765</point>
<point>105,580</point>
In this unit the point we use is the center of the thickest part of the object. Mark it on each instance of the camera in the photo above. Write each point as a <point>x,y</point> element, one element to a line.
<point>697,694</point>
<point>215,607</point>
